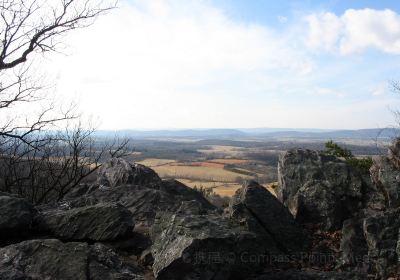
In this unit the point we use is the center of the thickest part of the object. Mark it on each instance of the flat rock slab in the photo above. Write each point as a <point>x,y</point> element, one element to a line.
<point>99,222</point>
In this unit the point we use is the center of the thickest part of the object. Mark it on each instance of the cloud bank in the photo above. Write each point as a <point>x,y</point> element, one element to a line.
<point>175,64</point>
<point>355,31</point>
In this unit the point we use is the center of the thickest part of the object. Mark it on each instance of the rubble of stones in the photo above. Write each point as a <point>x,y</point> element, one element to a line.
<point>326,221</point>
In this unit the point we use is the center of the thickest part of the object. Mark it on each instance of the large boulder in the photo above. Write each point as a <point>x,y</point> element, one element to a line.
<point>144,201</point>
<point>51,259</point>
<point>118,171</point>
<point>16,216</point>
<point>99,222</point>
<point>382,234</point>
<point>319,188</point>
<point>194,244</point>
<point>256,207</point>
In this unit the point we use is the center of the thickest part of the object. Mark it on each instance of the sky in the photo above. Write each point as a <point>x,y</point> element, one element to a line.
<point>162,64</point>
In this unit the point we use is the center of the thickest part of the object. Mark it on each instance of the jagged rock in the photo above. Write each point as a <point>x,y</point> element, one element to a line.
<point>105,264</point>
<point>51,259</point>
<point>386,177</point>
<point>98,222</point>
<point>385,174</point>
<point>192,244</point>
<point>16,216</point>
<point>382,234</point>
<point>143,201</point>
<point>353,246</point>
<point>118,172</point>
<point>318,188</point>
<point>258,209</point>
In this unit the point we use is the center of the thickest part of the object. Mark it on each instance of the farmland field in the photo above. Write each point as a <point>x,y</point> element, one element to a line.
<point>222,165</point>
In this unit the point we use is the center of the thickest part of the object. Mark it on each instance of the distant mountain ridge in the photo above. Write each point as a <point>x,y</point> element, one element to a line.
<point>307,133</point>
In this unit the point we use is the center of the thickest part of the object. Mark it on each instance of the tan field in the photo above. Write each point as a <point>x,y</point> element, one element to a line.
<point>229,151</point>
<point>220,188</point>
<point>198,172</point>
<point>204,174</point>
<point>152,162</point>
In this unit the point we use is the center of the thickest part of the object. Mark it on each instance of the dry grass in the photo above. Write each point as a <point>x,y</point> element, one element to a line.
<point>229,151</point>
<point>220,188</point>
<point>199,173</point>
<point>152,162</point>
<point>204,174</point>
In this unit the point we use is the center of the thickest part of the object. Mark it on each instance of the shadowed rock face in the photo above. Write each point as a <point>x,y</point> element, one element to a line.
<point>99,222</point>
<point>193,244</point>
<point>52,259</point>
<point>382,234</point>
<point>265,215</point>
<point>16,216</point>
<point>318,188</point>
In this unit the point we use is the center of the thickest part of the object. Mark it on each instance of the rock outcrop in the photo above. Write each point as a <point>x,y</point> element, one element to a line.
<point>259,210</point>
<point>385,174</point>
<point>194,244</point>
<point>51,259</point>
<point>142,192</point>
<point>319,188</point>
<point>16,216</point>
<point>99,222</point>
<point>130,223</point>
<point>117,172</point>
<point>382,235</point>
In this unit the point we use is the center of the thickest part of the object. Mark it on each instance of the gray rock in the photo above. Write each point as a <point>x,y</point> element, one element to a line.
<point>16,216</point>
<point>353,246</point>
<point>265,215</point>
<point>381,231</point>
<point>143,201</point>
<point>319,188</point>
<point>190,244</point>
<point>51,259</point>
<point>386,177</point>
<point>118,172</point>
<point>98,222</point>
<point>105,264</point>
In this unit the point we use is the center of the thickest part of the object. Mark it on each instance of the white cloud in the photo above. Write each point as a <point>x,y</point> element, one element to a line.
<point>174,64</point>
<point>355,31</point>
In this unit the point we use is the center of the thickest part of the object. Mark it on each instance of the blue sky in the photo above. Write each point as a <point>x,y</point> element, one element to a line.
<point>236,63</point>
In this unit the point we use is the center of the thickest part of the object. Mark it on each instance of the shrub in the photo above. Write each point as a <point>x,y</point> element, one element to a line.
<point>361,164</point>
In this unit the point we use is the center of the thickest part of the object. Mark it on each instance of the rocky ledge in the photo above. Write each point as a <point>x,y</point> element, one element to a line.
<point>326,222</point>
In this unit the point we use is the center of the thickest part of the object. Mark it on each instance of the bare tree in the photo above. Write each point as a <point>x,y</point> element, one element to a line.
<point>30,27</point>
<point>43,155</point>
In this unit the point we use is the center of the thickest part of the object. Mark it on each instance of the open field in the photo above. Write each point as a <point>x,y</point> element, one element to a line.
<point>223,175</point>
<point>223,165</point>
